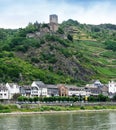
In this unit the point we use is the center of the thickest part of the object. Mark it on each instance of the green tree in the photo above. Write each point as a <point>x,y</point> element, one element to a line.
<point>70,37</point>
<point>35,99</point>
<point>60,30</point>
<point>114,97</point>
<point>30,99</point>
<point>21,98</point>
<point>16,96</point>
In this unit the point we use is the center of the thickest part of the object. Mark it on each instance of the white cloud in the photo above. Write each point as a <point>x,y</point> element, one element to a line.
<point>100,13</point>
<point>19,14</point>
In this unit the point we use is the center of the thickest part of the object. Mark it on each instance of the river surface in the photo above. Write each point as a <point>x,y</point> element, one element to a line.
<point>60,121</point>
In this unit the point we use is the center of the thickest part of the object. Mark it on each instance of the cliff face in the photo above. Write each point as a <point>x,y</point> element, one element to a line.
<point>55,57</point>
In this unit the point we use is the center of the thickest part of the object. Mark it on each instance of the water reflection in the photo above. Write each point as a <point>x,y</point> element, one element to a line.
<point>62,121</point>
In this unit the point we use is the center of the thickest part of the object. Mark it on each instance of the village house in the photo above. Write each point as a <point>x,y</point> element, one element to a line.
<point>104,90</point>
<point>12,89</point>
<point>94,88</point>
<point>75,91</point>
<point>72,90</point>
<point>98,84</point>
<point>25,90</point>
<point>3,92</point>
<point>63,90</point>
<point>112,87</point>
<point>38,89</point>
<point>52,90</point>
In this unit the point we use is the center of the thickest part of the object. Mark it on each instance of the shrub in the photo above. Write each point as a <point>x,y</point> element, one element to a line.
<point>82,108</point>
<point>13,106</point>
<point>34,59</point>
<point>60,30</point>
<point>110,45</point>
<point>5,111</point>
<point>70,37</point>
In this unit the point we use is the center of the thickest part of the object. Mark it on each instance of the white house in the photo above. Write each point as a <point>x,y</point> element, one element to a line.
<point>95,83</point>
<point>38,89</point>
<point>74,90</point>
<point>12,89</point>
<point>112,87</point>
<point>94,88</point>
<point>3,92</point>
<point>98,84</point>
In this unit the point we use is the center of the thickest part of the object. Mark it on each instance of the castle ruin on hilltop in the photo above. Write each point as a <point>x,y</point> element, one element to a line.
<point>48,28</point>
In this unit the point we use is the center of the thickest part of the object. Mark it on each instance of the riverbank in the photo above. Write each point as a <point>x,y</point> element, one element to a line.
<point>56,112</point>
<point>16,109</point>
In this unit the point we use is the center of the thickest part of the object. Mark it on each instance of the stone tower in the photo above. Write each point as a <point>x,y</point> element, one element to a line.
<point>54,18</point>
<point>53,21</point>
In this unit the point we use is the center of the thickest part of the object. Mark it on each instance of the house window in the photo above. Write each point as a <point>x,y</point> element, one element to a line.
<point>4,94</point>
<point>1,94</point>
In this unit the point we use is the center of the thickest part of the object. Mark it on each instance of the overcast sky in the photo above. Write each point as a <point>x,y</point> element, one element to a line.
<point>18,13</point>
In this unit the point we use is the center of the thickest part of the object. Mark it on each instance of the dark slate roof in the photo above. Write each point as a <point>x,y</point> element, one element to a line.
<point>11,84</point>
<point>39,84</point>
<point>26,87</point>
<point>51,86</point>
<point>72,87</point>
<point>3,87</point>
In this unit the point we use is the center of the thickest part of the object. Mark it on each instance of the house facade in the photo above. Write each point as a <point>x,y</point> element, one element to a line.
<point>94,88</point>
<point>97,83</point>
<point>52,90</point>
<point>3,92</point>
<point>104,90</point>
<point>38,89</point>
<point>63,90</point>
<point>25,90</point>
<point>77,91</point>
<point>12,89</point>
<point>112,87</point>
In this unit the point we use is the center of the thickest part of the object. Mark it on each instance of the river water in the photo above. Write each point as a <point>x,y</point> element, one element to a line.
<point>60,121</point>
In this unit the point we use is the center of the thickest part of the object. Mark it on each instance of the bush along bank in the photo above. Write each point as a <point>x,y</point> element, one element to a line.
<point>99,98</point>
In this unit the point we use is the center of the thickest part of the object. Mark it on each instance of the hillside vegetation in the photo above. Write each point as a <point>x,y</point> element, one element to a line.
<point>75,54</point>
